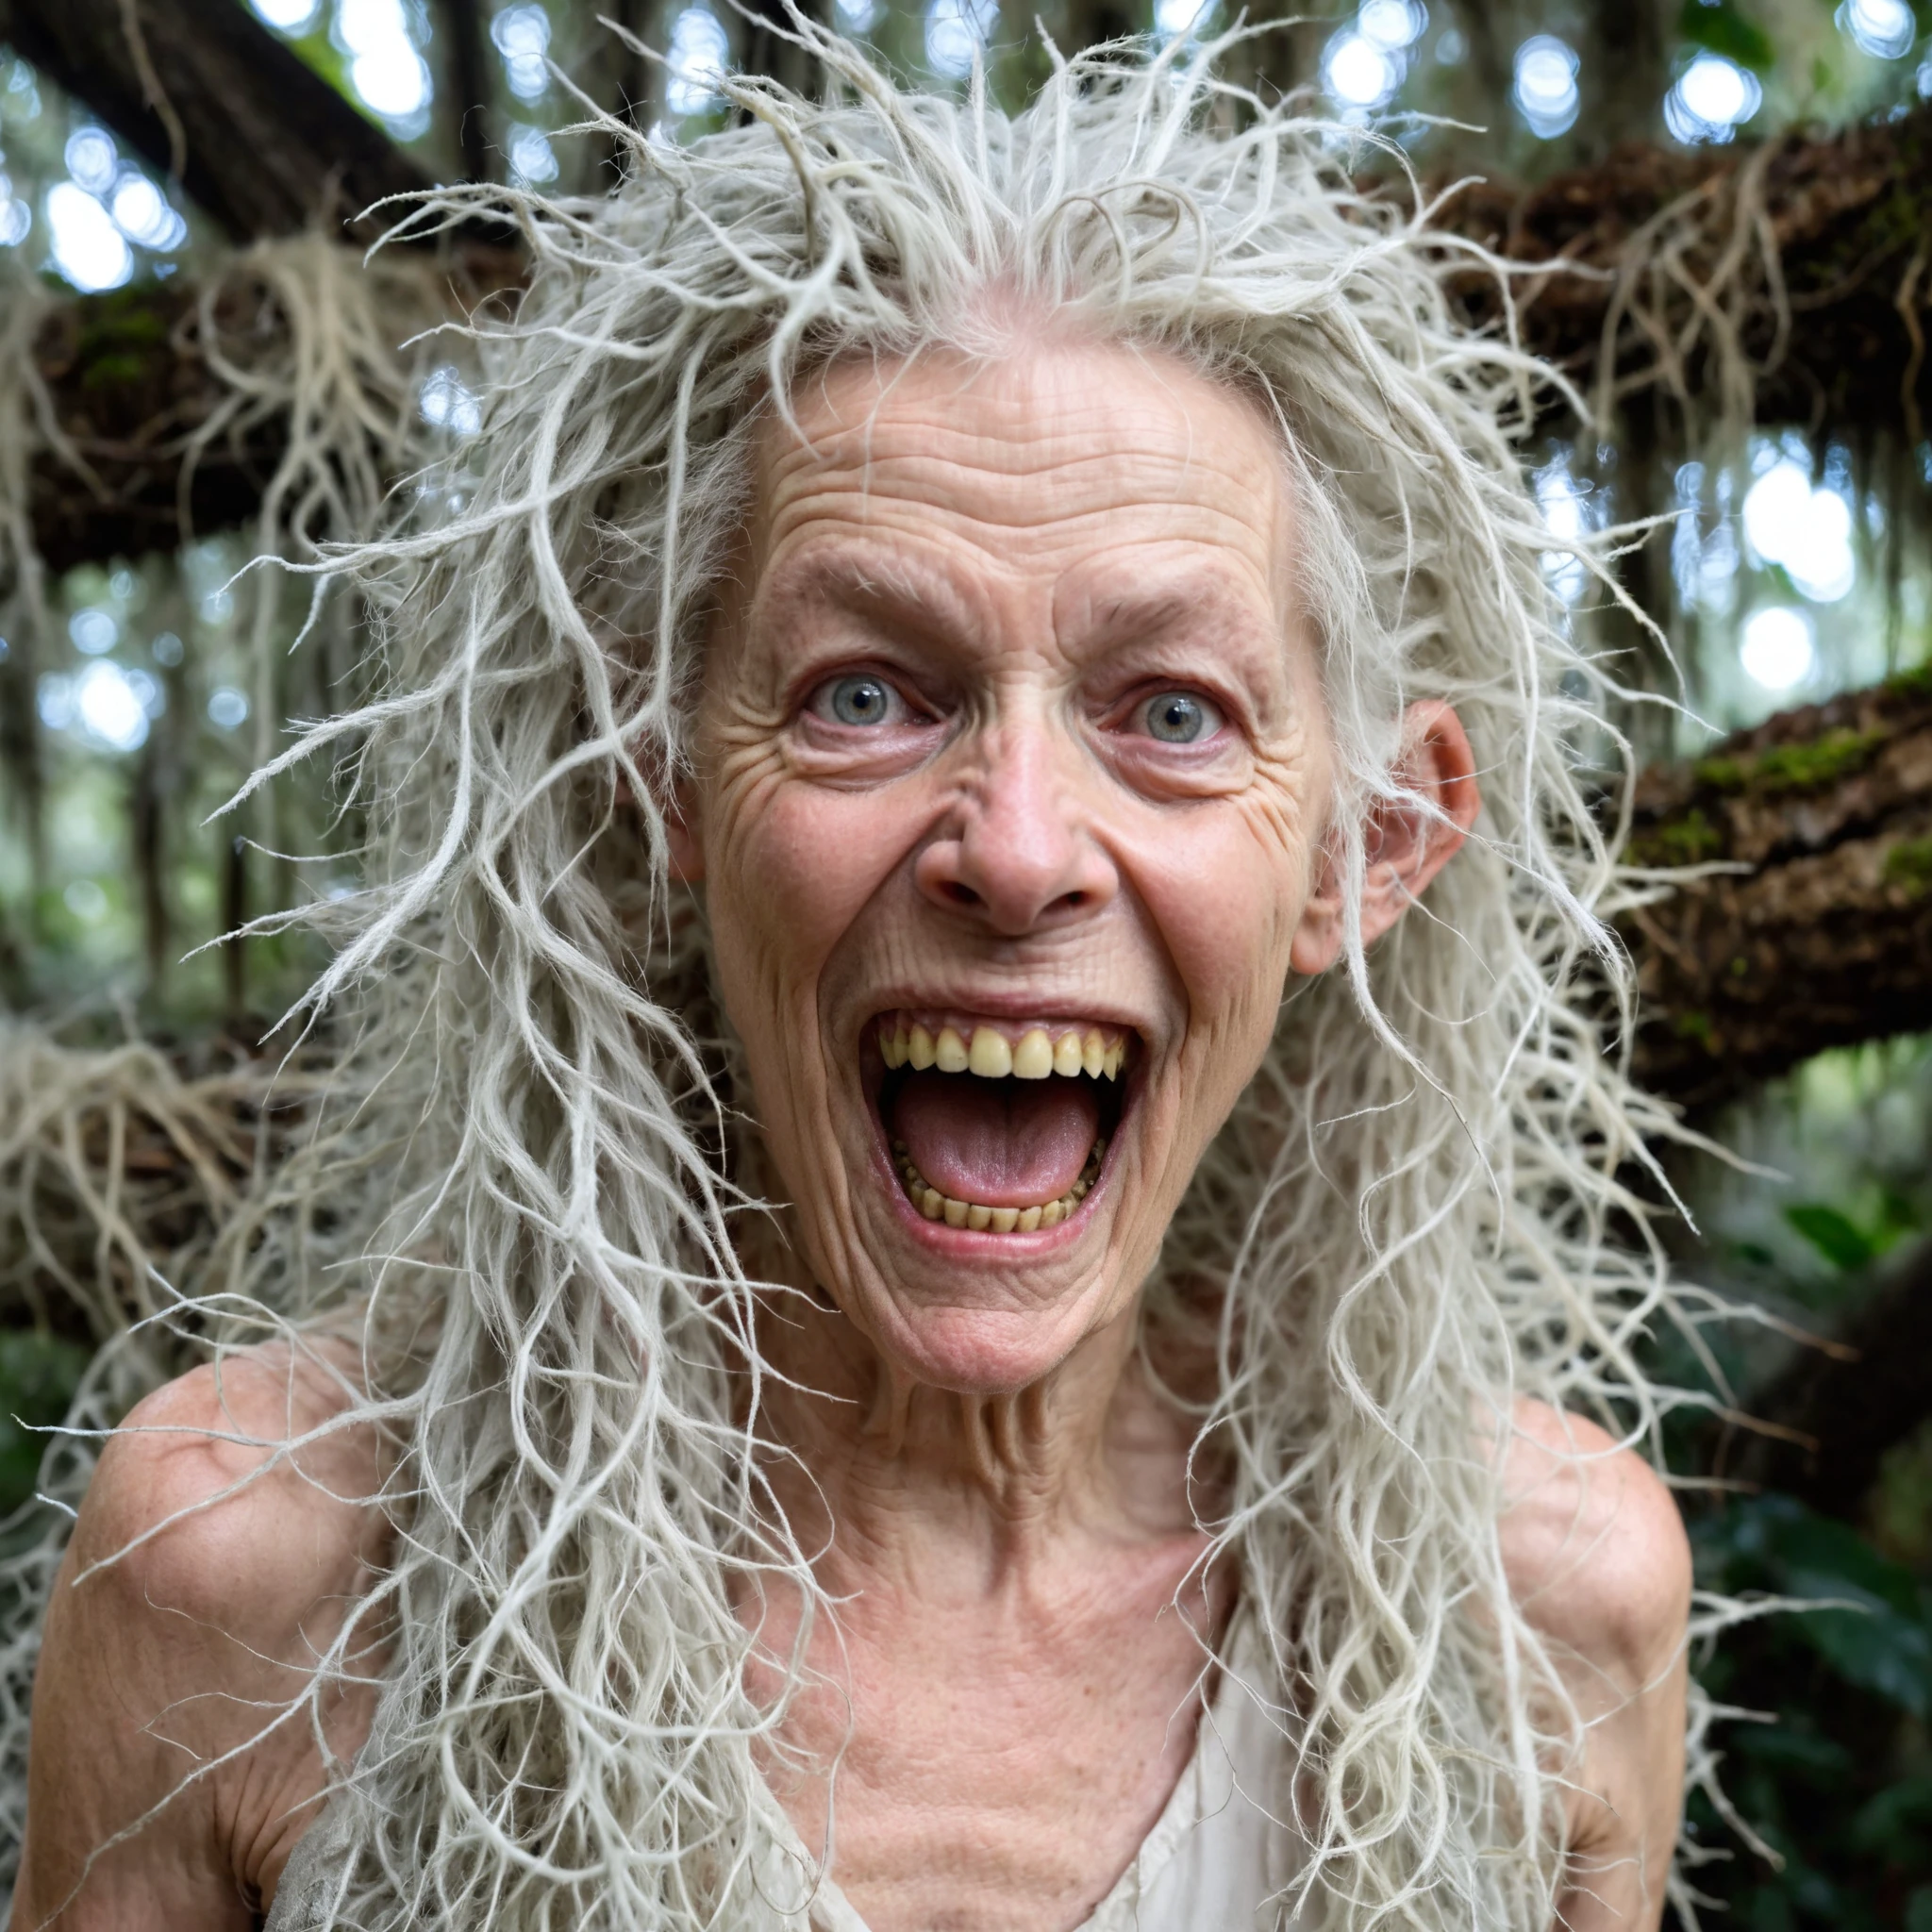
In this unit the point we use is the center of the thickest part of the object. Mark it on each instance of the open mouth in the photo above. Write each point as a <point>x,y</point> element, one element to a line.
<point>998,1126</point>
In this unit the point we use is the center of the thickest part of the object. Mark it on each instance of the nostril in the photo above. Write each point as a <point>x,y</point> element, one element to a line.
<point>962,895</point>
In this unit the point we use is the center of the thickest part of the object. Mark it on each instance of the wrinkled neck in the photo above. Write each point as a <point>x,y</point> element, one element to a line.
<point>881,1470</point>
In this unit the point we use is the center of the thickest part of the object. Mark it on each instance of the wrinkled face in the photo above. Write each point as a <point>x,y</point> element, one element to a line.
<point>1011,766</point>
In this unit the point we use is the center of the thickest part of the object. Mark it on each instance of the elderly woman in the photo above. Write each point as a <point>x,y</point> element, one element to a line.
<point>963,1313</point>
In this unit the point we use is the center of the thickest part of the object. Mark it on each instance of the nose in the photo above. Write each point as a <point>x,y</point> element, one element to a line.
<point>1018,856</point>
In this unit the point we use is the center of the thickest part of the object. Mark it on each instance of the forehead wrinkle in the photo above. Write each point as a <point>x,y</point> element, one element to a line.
<point>1022,440</point>
<point>1024,494</point>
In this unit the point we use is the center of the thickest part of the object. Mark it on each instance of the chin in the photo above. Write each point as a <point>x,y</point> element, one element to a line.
<point>982,1350</point>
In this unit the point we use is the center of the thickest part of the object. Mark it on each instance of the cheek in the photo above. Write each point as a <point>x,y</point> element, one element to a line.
<point>1227,886</point>
<point>790,867</point>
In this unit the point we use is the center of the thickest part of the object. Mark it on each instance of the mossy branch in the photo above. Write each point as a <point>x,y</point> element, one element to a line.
<point>1825,936</point>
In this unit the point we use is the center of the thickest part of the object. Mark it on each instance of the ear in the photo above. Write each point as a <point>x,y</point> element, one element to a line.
<point>682,840</point>
<point>1406,848</point>
<point>683,846</point>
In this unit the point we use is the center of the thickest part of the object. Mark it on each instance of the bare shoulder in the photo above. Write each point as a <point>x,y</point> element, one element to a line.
<point>233,1488</point>
<point>1593,1543</point>
<point>229,1531</point>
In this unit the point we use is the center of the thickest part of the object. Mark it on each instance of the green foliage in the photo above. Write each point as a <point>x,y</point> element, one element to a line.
<point>1836,1788</point>
<point>1910,865</point>
<point>1840,1239</point>
<point>39,1375</point>
<point>1722,29</point>
<point>1686,840</point>
<point>1784,769</point>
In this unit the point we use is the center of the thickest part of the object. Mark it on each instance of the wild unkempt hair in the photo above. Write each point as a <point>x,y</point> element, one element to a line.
<point>1406,1224</point>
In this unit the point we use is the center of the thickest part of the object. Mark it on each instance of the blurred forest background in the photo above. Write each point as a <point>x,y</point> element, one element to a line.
<point>1742,190</point>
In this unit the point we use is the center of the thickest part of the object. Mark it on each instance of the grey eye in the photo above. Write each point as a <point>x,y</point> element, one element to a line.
<point>1177,717</point>
<point>860,700</point>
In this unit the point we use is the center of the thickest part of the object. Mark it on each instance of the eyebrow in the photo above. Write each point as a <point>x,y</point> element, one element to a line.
<point>875,584</point>
<point>927,604</point>
<point>1192,602</point>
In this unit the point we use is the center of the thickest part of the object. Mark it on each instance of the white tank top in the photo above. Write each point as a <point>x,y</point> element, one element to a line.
<point>1221,1857</point>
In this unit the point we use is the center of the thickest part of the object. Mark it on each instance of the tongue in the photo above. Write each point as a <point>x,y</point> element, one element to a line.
<point>1001,1144</point>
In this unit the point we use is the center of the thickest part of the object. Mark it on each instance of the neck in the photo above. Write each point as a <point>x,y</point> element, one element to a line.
<point>882,1471</point>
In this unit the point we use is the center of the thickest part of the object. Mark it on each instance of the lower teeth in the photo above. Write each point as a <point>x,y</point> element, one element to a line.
<point>974,1215</point>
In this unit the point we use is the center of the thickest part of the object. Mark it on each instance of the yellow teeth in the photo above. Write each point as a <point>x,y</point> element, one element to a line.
<point>1032,1060</point>
<point>991,1058</point>
<point>1038,1053</point>
<point>979,1218</point>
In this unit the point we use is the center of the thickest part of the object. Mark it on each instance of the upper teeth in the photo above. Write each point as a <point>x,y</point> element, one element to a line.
<point>988,1051</point>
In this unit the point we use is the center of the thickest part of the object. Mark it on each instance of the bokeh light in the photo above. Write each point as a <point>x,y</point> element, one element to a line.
<point>1358,72</point>
<point>1807,532</point>
<point>87,247</point>
<point>956,32</point>
<point>1391,25</point>
<point>1565,510</point>
<point>1174,18</point>
<point>93,631</point>
<point>105,705</point>
<point>1778,650</point>
<point>228,709</point>
<point>1547,96</point>
<point>532,160</point>
<point>288,16</point>
<point>140,212</point>
<point>1883,29</point>
<point>93,159</point>
<point>521,35</point>
<point>16,217</point>
<point>1712,97</point>
<point>697,57</point>
<point>385,69</point>
<point>449,403</point>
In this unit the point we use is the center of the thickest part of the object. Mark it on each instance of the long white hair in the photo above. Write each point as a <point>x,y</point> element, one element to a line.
<point>1407,1223</point>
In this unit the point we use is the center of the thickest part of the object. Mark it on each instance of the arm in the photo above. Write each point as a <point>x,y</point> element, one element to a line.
<point>158,1667</point>
<point>1599,1562</point>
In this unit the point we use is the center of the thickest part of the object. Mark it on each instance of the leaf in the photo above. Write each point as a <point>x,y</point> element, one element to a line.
<point>1842,1241</point>
<point>39,1375</point>
<point>1813,1556</point>
<point>1872,1647</point>
<point>1789,1747</point>
<point>1897,1823</point>
<point>1881,1644</point>
<point>1722,29</point>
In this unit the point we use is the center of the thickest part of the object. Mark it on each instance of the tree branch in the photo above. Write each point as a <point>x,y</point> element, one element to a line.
<point>1825,937</point>
<point>265,145</point>
<point>1814,250</point>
